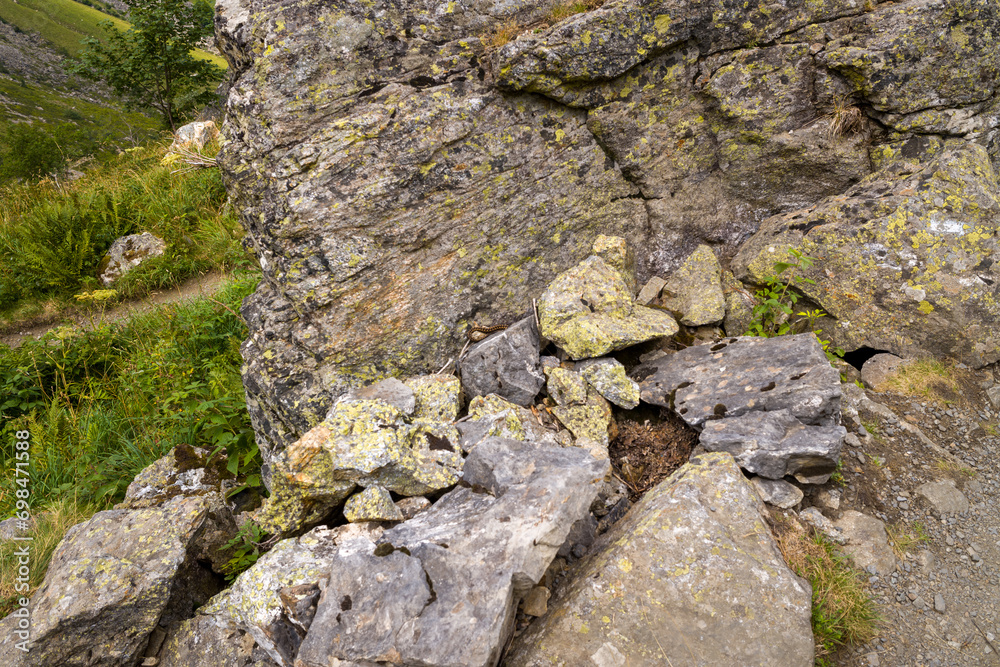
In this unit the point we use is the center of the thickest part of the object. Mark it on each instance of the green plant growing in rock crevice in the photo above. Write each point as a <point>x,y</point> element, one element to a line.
<point>249,544</point>
<point>776,299</point>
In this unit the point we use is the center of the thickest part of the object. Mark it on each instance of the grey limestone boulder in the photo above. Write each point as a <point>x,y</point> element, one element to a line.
<point>442,588</point>
<point>505,364</point>
<point>608,377</point>
<point>258,601</point>
<point>212,641</point>
<point>126,253</point>
<point>775,444</point>
<point>739,375</point>
<point>111,581</point>
<point>691,576</point>
<point>589,310</point>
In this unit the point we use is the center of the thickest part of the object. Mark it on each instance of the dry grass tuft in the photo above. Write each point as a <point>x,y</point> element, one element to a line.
<point>927,378</point>
<point>507,31</point>
<point>842,611</point>
<point>904,537</point>
<point>845,119</point>
<point>501,35</point>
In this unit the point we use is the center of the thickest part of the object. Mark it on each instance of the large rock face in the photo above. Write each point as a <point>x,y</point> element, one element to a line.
<point>691,576</point>
<point>909,258</point>
<point>402,173</point>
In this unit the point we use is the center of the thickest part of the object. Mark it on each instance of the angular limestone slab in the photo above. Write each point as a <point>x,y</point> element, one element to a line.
<point>691,576</point>
<point>108,585</point>
<point>775,444</point>
<point>505,364</point>
<point>745,374</point>
<point>589,311</point>
<point>442,588</point>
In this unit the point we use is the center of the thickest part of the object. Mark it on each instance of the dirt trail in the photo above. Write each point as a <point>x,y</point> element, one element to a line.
<point>88,318</point>
<point>940,605</point>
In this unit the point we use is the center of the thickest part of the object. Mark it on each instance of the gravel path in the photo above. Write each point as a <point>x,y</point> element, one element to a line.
<point>941,605</point>
<point>89,318</point>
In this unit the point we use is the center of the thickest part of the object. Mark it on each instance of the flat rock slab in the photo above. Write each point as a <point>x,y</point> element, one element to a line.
<point>505,364</point>
<point>108,585</point>
<point>775,444</point>
<point>944,496</point>
<point>777,492</point>
<point>442,588</point>
<point>740,375</point>
<point>867,542</point>
<point>691,576</point>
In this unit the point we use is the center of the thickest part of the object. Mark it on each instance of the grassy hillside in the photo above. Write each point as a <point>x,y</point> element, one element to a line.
<point>65,22</point>
<point>53,237</point>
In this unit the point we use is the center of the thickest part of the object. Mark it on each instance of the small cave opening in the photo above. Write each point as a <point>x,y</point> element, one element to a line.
<point>858,357</point>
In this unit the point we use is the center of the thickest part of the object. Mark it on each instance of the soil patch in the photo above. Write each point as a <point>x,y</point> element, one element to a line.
<point>651,444</point>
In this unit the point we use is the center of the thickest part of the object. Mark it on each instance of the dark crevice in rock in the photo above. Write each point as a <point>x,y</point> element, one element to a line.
<point>858,357</point>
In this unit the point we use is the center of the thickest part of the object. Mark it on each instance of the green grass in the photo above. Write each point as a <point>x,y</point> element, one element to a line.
<point>108,124</point>
<point>843,612</point>
<point>102,405</point>
<point>45,536</point>
<point>52,239</point>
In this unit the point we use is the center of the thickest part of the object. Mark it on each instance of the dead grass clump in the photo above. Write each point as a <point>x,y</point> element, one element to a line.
<point>501,35</point>
<point>646,452</point>
<point>567,9</point>
<point>845,119</point>
<point>927,378</point>
<point>842,610</point>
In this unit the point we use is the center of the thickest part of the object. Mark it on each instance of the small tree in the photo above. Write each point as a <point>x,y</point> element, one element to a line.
<point>151,65</point>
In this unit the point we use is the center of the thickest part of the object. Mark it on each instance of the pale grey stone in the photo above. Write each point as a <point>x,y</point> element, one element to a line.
<point>777,492</point>
<point>820,522</point>
<point>608,377</point>
<point>126,253</point>
<point>740,375</point>
<point>650,290</point>
<point>687,566</point>
<point>867,542</point>
<point>391,391</point>
<point>879,369</point>
<point>944,497</point>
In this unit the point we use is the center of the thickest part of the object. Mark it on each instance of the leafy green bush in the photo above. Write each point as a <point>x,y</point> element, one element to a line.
<point>101,405</point>
<point>52,240</point>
